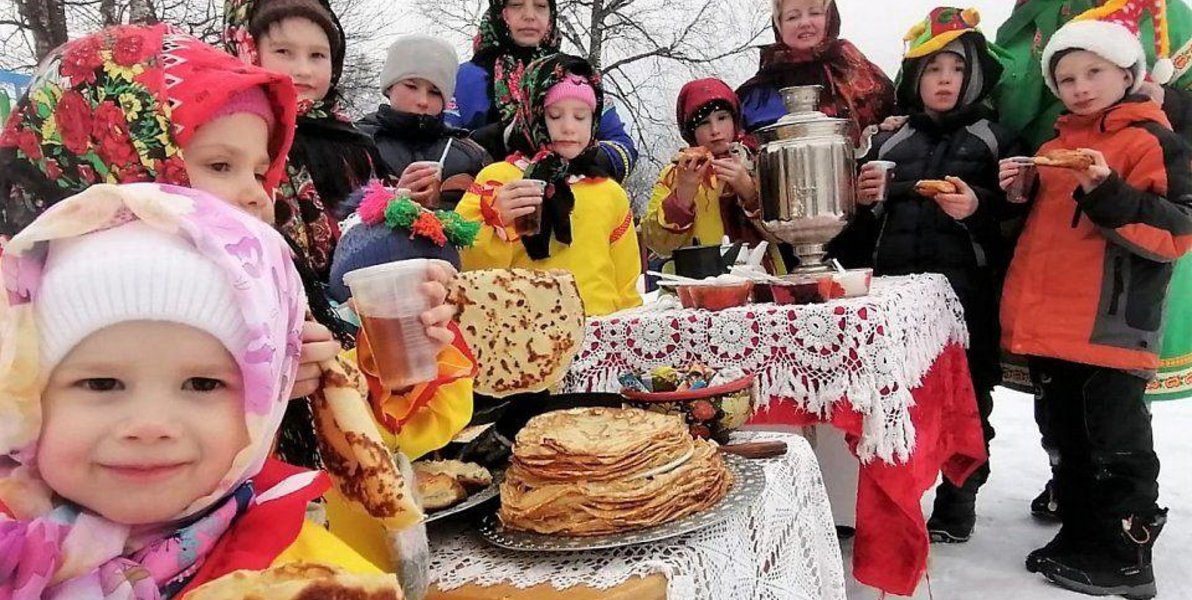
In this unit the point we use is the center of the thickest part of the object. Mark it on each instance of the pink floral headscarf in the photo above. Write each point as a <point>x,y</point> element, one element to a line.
<point>52,550</point>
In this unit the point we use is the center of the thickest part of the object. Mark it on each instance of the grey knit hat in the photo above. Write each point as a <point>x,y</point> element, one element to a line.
<point>425,56</point>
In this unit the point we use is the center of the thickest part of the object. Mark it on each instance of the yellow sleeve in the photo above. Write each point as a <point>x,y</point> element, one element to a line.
<point>448,412</point>
<point>626,254</point>
<point>493,248</point>
<point>315,544</point>
<point>659,235</point>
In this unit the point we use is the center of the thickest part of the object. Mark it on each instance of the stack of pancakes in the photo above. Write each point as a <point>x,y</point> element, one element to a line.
<point>597,471</point>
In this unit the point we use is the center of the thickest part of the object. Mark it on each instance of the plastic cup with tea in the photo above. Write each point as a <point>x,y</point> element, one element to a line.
<point>1021,186</point>
<point>389,301</point>
<point>433,201</point>
<point>886,168</point>
<point>531,224</point>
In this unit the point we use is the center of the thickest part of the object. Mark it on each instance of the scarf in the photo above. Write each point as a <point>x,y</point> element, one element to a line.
<point>329,159</point>
<point>116,107</point>
<point>494,50</point>
<point>53,549</point>
<point>853,87</point>
<point>530,138</point>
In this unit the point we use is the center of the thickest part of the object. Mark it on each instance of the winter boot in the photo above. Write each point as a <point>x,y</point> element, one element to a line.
<point>1120,566</point>
<point>1067,540</point>
<point>952,522</point>
<point>1046,506</point>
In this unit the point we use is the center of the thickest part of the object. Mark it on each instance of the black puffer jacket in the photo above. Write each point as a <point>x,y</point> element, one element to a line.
<point>908,233</point>
<point>404,138</point>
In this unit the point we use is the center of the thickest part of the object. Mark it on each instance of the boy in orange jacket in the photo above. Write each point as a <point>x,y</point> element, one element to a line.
<point>1084,301</point>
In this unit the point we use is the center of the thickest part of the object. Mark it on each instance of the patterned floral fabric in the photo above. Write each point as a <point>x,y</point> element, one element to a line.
<point>40,559</point>
<point>116,107</point>
<point>531,137</point>
<point>494,49</point>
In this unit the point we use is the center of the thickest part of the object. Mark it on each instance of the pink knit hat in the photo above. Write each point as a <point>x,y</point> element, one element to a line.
<point>572,87</point>
<point>251,100</point>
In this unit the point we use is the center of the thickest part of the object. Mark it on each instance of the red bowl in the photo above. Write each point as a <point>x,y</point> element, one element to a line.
<point>715,297</point>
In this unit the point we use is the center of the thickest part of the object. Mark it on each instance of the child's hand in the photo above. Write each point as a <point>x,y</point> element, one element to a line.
<point>1007,171</point>
<point>689,171</point>
<point>869,185</point>
<point>517,199</point>
<point>1097,173</point>
<point>436,318</point>
<point>317,346</point>
<point>420,180</point>
<point>735,175</point>
<point>960,205</point>
<point>893,123</point>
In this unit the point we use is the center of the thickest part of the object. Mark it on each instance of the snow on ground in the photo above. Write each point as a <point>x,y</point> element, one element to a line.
<point>990,565</point>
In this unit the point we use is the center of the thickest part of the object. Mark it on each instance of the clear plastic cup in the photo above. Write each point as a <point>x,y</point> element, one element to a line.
<point>1021,186</point>
<point>389,301</point>
<point>887,169</point>
<point>436,186</point>
<point>531,224</point>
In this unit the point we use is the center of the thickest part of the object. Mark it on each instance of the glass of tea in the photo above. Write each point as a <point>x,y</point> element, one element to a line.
<point>531,224</point>
<point>389,300</point>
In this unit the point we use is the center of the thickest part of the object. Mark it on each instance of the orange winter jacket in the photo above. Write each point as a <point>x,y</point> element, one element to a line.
<point>1089,276</point>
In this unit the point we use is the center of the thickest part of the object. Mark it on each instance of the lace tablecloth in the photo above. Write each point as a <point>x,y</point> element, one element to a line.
<point>784,547</point>
<point>871,350</point>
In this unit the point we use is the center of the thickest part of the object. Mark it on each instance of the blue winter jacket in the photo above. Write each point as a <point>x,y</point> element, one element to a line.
<point>470,107</point>
<point>761,106</point>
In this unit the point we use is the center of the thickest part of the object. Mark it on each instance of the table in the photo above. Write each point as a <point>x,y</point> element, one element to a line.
<point>783,547</point>
<point>888,369</point>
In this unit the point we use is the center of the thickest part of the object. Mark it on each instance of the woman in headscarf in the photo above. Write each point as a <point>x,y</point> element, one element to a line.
<point>512,34</point>
<point>808,51</point>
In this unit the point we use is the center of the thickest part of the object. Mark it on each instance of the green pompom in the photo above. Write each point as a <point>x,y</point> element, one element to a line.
<point>459,231</point>
<point>401,213</point>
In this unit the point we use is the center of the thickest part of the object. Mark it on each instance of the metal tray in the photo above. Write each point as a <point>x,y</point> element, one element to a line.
<point>749,480</point>
<point>484,495</point>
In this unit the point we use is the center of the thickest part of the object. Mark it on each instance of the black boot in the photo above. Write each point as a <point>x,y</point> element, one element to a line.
<point>1046,506</point>
<point>953,516</point>
<point>1067,540</point>
<point>1119,566</point>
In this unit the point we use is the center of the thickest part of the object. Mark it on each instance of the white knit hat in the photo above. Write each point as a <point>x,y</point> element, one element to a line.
<point>424,56</point>
<point>1111,41</point>
<point>132,272</point>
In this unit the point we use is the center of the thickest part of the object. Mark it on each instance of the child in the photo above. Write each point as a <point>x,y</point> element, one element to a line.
<point>418,78</point>
<point>586,224</point>
<point>330,158</point>
<point>685,207</point>
<point>142,139</point>
<point>946,76</point>
<point>512,34</point>
<point>152,336</point>
<point>1084,301</point>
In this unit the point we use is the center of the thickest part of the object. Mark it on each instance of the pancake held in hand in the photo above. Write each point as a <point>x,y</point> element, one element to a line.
<point>523,326</point>
<point>698,158</point>
<point>1065,159</point>
<point>299,581</point>
<point>598,471</point>
<point>354,455</point>
<point>930,188</point>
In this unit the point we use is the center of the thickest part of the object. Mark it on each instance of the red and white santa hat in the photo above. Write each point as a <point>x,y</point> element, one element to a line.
<point>1112,32</point>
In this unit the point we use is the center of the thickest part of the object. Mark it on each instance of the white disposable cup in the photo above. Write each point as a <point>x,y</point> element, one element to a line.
<point>389,301</point>
<point>886,167</point>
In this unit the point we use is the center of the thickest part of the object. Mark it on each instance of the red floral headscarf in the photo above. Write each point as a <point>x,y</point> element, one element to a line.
<point>117,106</point>
<point>700,98</point>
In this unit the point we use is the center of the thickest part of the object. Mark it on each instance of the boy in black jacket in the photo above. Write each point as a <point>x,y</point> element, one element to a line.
<point>947,74</point>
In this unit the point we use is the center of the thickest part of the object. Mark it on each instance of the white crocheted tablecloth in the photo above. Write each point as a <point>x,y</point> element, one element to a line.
<point>872,350</point>
<point>783,548</point>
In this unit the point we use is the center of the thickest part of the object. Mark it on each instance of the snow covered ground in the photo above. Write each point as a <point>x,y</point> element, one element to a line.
<point>990,565</point>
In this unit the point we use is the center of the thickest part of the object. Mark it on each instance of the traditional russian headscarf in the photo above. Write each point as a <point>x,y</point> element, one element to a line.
<point>117,106</point>
<point>531,138</point>
<point>55,549</point>
<point>494,50</point>
<point>700,98</point>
